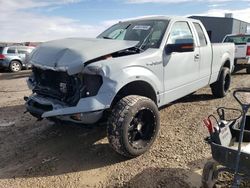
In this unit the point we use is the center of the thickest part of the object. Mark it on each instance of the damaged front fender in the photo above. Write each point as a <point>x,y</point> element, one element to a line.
<point>90,107</point>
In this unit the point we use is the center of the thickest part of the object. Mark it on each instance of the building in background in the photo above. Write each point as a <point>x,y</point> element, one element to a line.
<point>218,27</point>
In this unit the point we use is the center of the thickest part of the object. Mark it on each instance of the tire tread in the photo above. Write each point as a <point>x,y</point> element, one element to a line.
<point>217,87</point>
<point>118,114</point>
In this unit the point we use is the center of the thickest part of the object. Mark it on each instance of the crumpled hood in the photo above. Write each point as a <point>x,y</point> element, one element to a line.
<point>70,54</point>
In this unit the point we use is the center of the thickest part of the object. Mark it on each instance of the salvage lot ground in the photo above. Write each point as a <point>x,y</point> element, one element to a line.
<point>42,154</point>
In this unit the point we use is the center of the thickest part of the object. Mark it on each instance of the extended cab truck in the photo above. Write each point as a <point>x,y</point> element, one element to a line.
<point>126,74</point>
<point>242,50</point>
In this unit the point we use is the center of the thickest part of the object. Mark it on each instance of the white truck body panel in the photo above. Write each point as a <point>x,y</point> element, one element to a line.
<point>221,53</point>
<point>193,73</point>
<point>171,76</point>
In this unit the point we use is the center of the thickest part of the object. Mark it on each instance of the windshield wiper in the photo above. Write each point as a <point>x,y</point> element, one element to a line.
<point>145,41</point>
<point>107,37</point>
<point>122,31</point>
<point>138,49</point>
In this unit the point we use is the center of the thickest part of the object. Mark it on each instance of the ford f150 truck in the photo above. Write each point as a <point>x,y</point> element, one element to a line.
<point>125,75</point>
<point>242,49</point>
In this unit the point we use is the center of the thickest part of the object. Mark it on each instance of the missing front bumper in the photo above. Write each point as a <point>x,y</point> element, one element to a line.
<point>41,107</point>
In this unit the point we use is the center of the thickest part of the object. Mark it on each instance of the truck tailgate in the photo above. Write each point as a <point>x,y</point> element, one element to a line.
<point>240,50</point>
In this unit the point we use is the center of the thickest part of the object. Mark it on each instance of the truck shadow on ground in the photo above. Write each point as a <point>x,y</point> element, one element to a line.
<point>191,98</point>
<point>195,98</point>
<point>37,149</point>
<point>7,75</point>
<point>163,177</point>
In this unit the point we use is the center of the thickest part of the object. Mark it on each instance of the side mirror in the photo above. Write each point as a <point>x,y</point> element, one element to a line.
<point>180,46</point>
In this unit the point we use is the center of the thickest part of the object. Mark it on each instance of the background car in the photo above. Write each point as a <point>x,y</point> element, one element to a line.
<point>13,57</point>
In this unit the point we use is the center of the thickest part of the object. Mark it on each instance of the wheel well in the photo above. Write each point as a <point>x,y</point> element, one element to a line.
<point>136,88</point>
<point>227,64</point>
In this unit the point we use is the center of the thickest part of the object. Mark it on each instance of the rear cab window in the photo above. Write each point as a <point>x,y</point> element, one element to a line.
<point>238,39</point>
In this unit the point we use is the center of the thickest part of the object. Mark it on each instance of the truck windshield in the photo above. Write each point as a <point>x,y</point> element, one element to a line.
<point>240,39</point>
<point>148,33</point>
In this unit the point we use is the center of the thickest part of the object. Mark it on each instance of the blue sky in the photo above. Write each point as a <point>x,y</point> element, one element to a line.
<point>40,20</point>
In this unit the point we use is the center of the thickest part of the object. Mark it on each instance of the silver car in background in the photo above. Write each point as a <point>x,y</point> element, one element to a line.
<point>13,57</point>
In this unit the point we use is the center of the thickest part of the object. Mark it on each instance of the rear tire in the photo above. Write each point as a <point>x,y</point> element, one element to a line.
<point>133,125</point>
<point>15,66</point>
<point>221,87</point>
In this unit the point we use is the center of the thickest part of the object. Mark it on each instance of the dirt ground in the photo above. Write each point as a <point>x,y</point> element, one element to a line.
<point>42,154</point>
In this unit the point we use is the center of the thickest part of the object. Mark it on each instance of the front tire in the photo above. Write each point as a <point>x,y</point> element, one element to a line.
<point>15,66</point>
<point>133,125</point>
<point>221,87</point>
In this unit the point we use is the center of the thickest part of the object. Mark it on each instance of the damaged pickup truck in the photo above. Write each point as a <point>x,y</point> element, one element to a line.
<point>125,75</point>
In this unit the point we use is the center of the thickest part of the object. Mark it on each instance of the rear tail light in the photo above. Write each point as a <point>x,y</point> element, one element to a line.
<point>2,56</point>
<point>248,51</point>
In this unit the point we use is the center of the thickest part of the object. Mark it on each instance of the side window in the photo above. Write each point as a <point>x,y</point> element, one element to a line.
<point>22,51</point>
<point>201,35</point>
<point>11,50</point>
<point>180,34</point>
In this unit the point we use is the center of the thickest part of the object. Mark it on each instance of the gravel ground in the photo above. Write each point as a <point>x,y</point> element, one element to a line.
<point>41,154</point>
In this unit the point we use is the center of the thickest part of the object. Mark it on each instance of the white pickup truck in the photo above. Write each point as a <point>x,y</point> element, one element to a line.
<point>242,49</point>
<point>125,75</point>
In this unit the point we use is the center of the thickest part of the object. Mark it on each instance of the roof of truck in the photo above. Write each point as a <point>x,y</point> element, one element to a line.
<point>159,17</point>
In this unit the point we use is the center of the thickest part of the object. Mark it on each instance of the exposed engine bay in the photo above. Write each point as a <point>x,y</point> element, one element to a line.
<point>65,88</point>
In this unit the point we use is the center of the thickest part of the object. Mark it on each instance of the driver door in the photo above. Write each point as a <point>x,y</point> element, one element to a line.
<point>181,69</point>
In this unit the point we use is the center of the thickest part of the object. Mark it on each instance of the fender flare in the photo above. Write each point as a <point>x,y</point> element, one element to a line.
<point>17,60</point>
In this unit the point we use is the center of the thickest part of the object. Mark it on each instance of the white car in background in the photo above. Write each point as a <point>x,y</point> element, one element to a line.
<point>242,49</point>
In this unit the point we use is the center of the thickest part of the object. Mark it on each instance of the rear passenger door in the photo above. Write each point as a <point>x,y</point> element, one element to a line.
<point>205,57</point>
